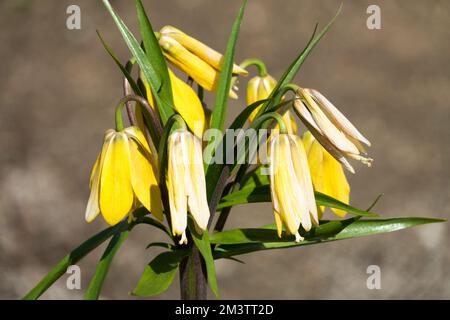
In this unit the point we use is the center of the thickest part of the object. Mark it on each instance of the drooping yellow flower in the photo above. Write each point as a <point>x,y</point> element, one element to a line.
<point>124,173</point>
<point>326,172</point>
<point>186,103</point>
<point>186,184</point>
<point>259,88</point>
<point>195,58</point>
<point>291,187</point>
<point>331,128</point>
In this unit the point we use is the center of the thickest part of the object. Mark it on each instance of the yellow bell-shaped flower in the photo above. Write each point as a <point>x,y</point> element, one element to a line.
<point>186,184</point>
<point>291,187</point>
<point>193,57</point>
<point>123,175</point>
<point>259,88</point>
<point>326,172</point>
<point>186,103</point>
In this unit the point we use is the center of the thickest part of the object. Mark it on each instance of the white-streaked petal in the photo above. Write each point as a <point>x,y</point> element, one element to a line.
<point>337,137</point>
<point>175,185</point>
<point>303,173</point>
<point>310,124</point>
<point>197,201</point>
<point>337,117</point>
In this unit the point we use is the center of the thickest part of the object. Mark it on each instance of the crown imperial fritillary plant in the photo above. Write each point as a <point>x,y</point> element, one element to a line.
<point>153,172</point>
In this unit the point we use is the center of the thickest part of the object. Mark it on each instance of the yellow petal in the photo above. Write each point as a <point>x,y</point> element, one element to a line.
<point>144,179</point>
<point>116,193</point>
<point>290,199</point>
<point>335,181</point>
<point>199,70</point>
<point>252,95</point>
<point>92,208</point>
<point>259,88</point>
<point>198,48</point>
<point>188,105</point>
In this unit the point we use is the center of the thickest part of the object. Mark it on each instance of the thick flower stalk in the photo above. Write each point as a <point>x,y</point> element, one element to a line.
<point>291,186</point>
<point>193,57</point>
<point>326,172</point>
<point>331,128</point>
<point>123,177</point>
<point>186,103</point>
<point>186,184</point>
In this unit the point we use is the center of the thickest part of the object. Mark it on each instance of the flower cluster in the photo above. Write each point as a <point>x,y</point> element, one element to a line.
<point>127,172</point>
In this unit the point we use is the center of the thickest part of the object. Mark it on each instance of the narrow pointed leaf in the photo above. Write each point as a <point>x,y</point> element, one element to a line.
<point>261,193</point>
<point>154,53</point>
<point>241,241</point>
<point>122,68</point>
<point>164,106</point>
<point>223,87</point>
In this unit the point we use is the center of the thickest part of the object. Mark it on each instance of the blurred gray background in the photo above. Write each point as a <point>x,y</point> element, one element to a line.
<point>58,89</point>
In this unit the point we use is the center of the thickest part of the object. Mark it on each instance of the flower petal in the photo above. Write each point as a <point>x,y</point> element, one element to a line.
<point>175,184</point>
<point>201,50</point>
<point>328,129</point>
<point>197,201</point>
<point>116,193</point>
<point>188,105</point>
<point>92,208</point>
<point>337,117</point>
<point>143,179</point>
<point>198,69</point>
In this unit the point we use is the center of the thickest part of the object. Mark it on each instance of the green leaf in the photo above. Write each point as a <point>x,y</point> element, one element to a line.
<point>95,286</point>
<point>159,273</point>
<point>241,241</point>
<point>154,55</point>
<point>154,80</point>
<point>204,246</point>
<point>124,70</point>
<point>72,258</point>
<point>224,83</point>
<point>261,193</point>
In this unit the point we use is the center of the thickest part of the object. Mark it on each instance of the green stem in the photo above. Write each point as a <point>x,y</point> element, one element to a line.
<point>255,62</point>
<point>193,278</point>
<point>267,116</point>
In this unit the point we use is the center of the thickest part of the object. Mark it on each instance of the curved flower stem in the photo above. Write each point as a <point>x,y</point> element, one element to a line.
<point>257,123</point>
<point>156,123</point>
<point>129,107</point>
<point>255,62</point>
